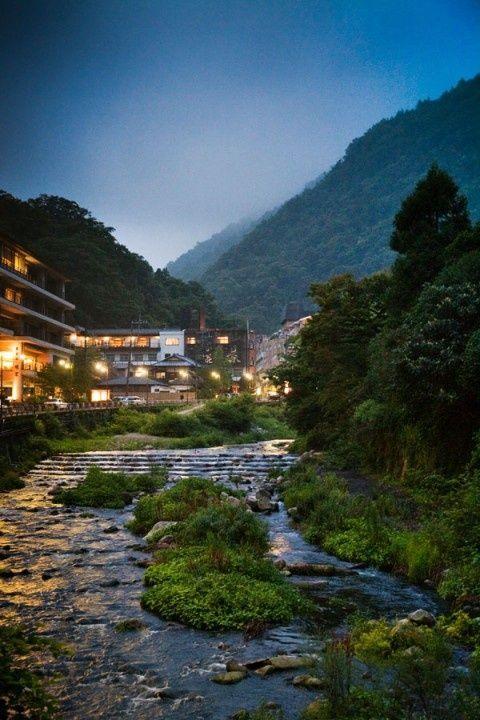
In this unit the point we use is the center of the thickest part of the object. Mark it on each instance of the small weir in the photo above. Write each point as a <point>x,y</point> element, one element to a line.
<point>76,581</point>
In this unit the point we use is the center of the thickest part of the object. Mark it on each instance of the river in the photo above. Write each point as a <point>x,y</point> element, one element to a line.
<point>82,581</point>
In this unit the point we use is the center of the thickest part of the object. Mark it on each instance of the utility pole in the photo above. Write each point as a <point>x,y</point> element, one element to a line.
<point>139,324</point>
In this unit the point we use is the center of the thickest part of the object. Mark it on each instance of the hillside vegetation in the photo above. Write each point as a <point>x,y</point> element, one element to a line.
<point>385,378</point>
<point>342,224</point>
<point>109,284</point>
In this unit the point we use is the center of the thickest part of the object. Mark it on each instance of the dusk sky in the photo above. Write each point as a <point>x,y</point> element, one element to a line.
<point>169,120</point>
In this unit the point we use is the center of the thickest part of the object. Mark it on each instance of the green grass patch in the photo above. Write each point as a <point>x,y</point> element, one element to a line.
<point>110,490</point>
<point>219,589</point>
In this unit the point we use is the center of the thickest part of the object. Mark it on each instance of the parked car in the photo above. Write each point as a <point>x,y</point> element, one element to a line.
<point>129,400</point>
<point>56,404</point>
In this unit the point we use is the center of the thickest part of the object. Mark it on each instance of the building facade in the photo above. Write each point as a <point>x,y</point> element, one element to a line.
<point>237,346</point>
<point>151,353</point>
<point>35,320</point>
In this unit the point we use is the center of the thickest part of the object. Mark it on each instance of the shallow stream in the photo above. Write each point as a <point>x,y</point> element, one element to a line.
<point>82,580</point>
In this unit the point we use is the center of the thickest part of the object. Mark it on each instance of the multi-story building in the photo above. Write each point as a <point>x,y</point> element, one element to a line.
<point>137,352</point>
<point>237,345</point>
<point>34,319</point>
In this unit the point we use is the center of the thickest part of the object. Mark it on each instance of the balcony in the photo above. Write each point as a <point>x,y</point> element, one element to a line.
<point>35,283</point>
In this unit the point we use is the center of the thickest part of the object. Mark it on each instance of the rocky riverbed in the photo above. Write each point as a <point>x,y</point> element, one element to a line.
<point>75,574</point>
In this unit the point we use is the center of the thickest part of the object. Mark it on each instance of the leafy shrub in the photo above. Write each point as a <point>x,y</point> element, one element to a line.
<point>172,424</point>
<point>108,490</point>
<point>53,426</point>
<point>235,526</point>
<point>233,415</point>
<point>189,588</point>
<point>176,503</point>
<point>461,579</point>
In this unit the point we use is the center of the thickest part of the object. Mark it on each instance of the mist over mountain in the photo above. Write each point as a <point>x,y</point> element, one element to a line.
<point>343,223</point>
<point>192,264</point>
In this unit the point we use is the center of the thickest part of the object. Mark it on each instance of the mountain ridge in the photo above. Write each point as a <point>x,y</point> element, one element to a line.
<point>342,223</point>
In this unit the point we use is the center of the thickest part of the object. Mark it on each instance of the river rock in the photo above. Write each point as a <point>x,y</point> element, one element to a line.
<point>235,666</point>
<point>307,681</point>
<point>265,670</point>
<point>279,563</point>
<point>229,677</point>
<point>422,617</point>
<point>288,662</point>
<point>111,529</point>
<point>292,512</point>
<point>159,527</point>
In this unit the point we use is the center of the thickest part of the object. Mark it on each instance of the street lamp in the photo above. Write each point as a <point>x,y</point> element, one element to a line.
<point>215,375</point>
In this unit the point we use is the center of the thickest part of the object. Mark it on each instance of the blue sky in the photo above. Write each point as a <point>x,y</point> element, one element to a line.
<point>170,119</point>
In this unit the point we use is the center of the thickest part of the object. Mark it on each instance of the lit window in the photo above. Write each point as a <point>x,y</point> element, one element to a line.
<point>142,342</point>
<point>172,341</point>
<point>222,339</point>
<point>191,341</point>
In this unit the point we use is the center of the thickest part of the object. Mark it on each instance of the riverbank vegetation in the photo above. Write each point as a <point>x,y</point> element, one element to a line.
<point>209,572</point>
<point>383,380</point>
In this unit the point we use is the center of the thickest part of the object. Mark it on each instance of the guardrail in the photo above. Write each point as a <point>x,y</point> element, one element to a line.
<point>22,409</point>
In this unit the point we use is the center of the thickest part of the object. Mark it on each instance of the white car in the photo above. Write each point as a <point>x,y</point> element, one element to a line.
<point>56,404</point>
<point>129,400</point>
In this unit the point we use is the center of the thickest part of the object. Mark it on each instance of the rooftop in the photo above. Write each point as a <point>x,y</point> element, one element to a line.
<point>108,332</point>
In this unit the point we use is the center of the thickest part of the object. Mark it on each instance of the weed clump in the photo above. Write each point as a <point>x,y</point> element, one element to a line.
<point>109,490</point>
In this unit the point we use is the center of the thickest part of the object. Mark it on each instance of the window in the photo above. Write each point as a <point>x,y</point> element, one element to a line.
<point>115,342</point>
<point>151,356</point>
<point>191,340</point>
<point>13,295</point>
<point>142,342</point>
<point>222,339</point>
<point>172,341</point>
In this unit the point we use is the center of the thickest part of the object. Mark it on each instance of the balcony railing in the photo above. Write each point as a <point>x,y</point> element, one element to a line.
<point>57,290</point>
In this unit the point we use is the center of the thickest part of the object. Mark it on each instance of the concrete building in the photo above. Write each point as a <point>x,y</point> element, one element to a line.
<point>136,350</point>
<point>34,320</point>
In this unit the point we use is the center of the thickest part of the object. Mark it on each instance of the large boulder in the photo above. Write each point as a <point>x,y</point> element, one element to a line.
<point>422,617</point>
<point>158,530</point>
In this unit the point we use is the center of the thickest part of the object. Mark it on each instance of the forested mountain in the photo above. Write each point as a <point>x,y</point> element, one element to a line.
<point>343,223</point>
<point>109,284</point>
<point>193,263</point>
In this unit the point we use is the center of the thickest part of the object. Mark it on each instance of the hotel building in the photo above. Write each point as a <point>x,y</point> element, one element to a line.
<point>34,319</point>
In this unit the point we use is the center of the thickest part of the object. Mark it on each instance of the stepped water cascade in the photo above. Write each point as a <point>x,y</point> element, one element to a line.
<point>78,572</point>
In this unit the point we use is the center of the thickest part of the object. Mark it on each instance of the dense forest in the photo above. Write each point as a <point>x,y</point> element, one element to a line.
<point>342,224</point>
<point>110,285</point>
<point>384,378</point>
<point>195,262</point>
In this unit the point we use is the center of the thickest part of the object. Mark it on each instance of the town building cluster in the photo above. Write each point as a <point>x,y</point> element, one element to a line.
<point>155,364</point>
